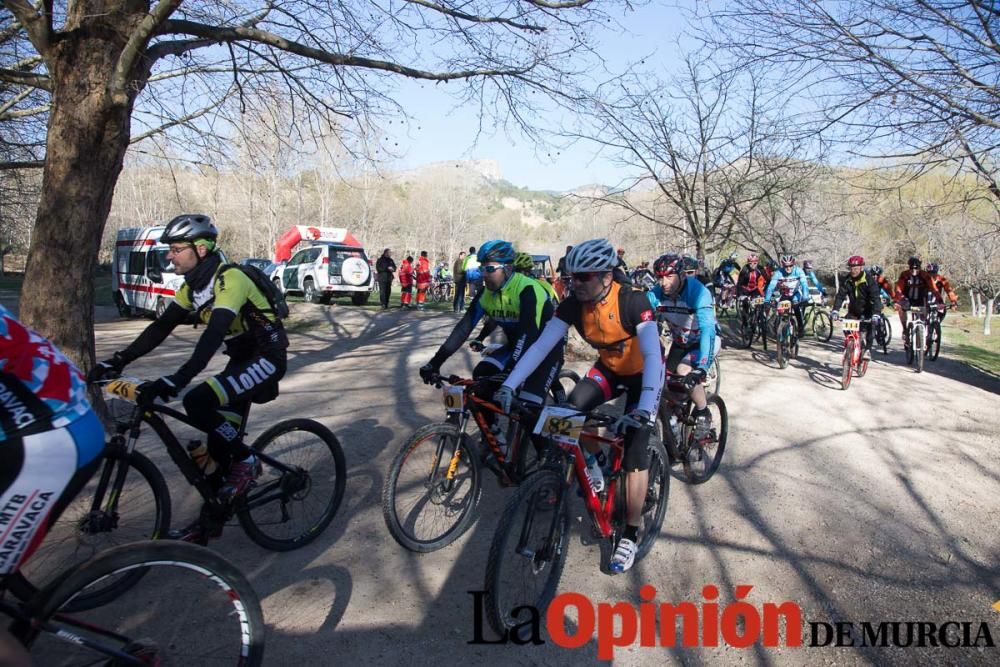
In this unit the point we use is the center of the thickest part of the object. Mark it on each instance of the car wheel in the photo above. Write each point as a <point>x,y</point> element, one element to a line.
<point>123,308</point>
<point>360,298</point>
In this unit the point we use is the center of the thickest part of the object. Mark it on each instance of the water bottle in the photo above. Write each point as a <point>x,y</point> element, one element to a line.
<point>199,454</point>
<point>675,428</point>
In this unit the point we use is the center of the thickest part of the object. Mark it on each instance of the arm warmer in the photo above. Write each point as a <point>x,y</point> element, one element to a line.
<point>652,367</point>
<point>155,333</point>
<point>459,334</point>
<point>553,333</point>
<point>771,285</point>
<point>208,344</point>
<point>489,326</point>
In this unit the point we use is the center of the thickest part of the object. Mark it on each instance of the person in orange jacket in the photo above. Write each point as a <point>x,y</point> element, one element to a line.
<point>423,279</point>
<point>406,282</point>
<point>912,289</point>
<point>944,288</point>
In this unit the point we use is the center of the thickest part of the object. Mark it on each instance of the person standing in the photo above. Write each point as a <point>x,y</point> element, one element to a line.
<point>473,274</point>
<point>423,279</point>
<point>458,270</point>
<point>406,283</point>
<point>384,268</point>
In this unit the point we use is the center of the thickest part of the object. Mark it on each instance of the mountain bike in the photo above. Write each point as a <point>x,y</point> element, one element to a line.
<point>786,334</point>
<point>726,300</point>
<point>934,331</point>
<point>816,316</point>
<point>753,323</point>
<point>528,550</point>
<point>190,607</point>
<point>442,291</point>
<point>675,422</point>
<point>916,339</point>
<point>293,501</point>
<point>853,363</point>
<point>431,494</point>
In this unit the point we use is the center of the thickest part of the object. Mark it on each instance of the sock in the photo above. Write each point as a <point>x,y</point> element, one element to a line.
<point>631,533</point>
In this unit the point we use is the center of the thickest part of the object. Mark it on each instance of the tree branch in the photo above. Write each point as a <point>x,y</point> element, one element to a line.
<point>136,44</point>
<point>38,25</point>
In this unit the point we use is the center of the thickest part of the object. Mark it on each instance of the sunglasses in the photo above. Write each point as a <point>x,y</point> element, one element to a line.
<point>586,276</point>
<point>492,268</point>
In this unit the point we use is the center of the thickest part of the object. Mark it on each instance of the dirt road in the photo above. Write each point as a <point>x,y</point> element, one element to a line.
<point>881,503</point>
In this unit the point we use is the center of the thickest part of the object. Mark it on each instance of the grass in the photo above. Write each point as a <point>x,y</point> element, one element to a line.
<point>963,337</point>
<point>102,287</point>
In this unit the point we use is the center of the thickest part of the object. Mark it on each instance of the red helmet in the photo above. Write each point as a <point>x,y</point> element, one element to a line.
<point>856,260</point>
<point>621,251</point>
<point>668,264</point>
<point>752,258</point>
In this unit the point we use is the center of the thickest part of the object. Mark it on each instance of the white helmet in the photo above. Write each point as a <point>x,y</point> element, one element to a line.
<point>592,255</point>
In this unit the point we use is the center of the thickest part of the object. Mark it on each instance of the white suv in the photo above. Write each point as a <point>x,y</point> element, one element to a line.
<point>325,270</point>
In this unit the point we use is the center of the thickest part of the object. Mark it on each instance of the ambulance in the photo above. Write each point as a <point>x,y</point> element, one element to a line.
<point>143,280</point>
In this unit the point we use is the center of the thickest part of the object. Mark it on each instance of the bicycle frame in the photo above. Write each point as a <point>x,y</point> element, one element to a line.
<point>918,321</point>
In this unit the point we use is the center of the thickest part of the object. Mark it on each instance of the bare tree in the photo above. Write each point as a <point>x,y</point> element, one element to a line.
<point>101,65</point>
<point>910,80</point>
<point>702,145</point>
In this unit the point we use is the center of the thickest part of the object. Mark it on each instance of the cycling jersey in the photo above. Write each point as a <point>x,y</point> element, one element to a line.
<point>861,293</point>
<point>40,388</point>
<point>690,315</point>
<point>549,290</point>
<point>234,291</point>
<point>944,287</point>
<point>887,287</point>
<point>914,287</point>
<point>751,282</point>
<point>521,307</point>
<point>791,285</point>
<point>813,281</point>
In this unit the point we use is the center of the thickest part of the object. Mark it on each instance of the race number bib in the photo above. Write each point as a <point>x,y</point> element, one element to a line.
<point>850,325</point>
<point>122,388</point>
<point>561,424</point>
<point>454,398</point>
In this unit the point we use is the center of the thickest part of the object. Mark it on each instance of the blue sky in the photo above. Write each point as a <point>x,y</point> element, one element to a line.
<point>437,132</point>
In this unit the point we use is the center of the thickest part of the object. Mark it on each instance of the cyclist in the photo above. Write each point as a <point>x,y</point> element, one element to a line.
<point>621,260</point>
<point>912,289</point>
<point>619,322</point>
<point>769,270</point>
<point>520,306</point>
<point>791,284</point>
<point>944,288</point>
<point>236,312</point>
<point>861,290</point>
<point>811,279</point>
<point>525,265</point>
<point>751,279</point>
<point>887,290</point>
<point>50,445</point>
<point>690,314</point>
<point>723,276</point>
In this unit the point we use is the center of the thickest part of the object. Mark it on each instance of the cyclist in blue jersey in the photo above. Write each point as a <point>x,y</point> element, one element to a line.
<point>791,284</point>
<point>686,306</point>
<point>811,279</point>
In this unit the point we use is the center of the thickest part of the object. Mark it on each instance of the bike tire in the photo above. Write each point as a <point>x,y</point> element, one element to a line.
<point>746,330</point>
<point>670,443</point>
<point>713,380</point>
<point>934,341</point>
<point>920,343</point>
<point>232,619</point>
<point>846,365</point>
<point>781,346</point>
<point>721,424</point>
<point>888,335</point>
<point>70,542</point>
<point>654,509</point>
<point>822,326</point>
<point>509,571</point>
<point>456,518</point>
<point>280,497</point>
<point>908,338</point>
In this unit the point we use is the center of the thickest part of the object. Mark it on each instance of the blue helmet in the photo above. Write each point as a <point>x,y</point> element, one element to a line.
<point>496,251</point>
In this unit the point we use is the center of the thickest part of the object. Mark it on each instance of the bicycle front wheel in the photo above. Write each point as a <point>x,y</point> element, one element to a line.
<point>528,551</point>
<point>703,458</point>
<point>713,379</point>
<point>782,346</point>
<point>846,371</point>
<point>822,325</point>
<point>96,520</point>
<point>920,345</point>
<point>431,494</point>
<point>191,607</point>
<point>934,341</point>
<point>300,488</point>
<point>654,507</point>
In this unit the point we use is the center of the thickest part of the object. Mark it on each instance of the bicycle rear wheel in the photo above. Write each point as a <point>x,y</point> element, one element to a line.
<point>291,505</point>
<point>94,522</point>
<point>846,364</point>
<point>528,550</point>
<point>703,459</point>
<point>934,341</point>
<point>423,509</point>
<point>192,607</point>
<point>822,325</point>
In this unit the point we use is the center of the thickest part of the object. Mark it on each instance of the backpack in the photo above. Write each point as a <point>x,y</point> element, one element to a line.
<point>273,294</point>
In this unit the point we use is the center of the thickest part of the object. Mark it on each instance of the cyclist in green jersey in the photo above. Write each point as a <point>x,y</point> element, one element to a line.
<point>516,303</point>
<point>234,311</point>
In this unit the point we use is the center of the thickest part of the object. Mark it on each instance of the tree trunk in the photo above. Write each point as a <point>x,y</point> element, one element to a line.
<point>974,301</point>
<point>989,316</point>
<point>86,143</point>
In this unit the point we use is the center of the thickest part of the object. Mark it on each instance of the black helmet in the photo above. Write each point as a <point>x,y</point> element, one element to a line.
<point>913,262</point>
<point>189,227</point>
